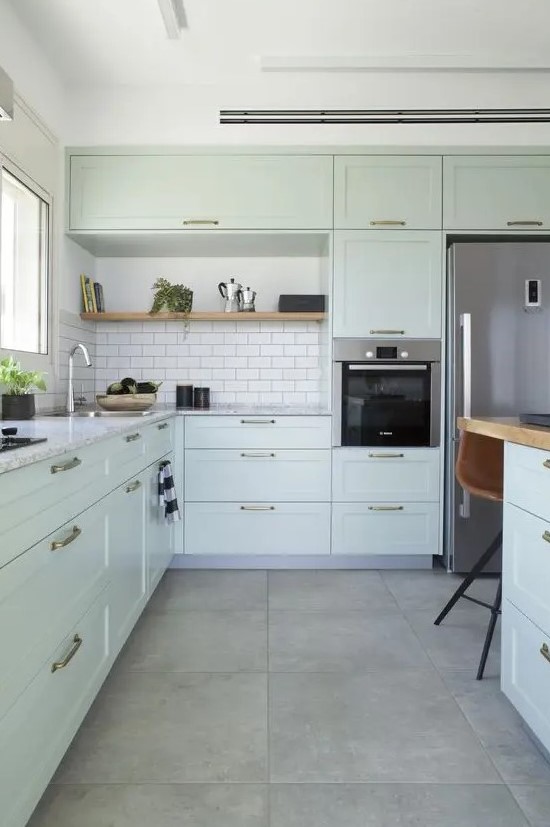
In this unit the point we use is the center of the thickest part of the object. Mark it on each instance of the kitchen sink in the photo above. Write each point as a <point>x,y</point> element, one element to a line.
<point>95,413</point>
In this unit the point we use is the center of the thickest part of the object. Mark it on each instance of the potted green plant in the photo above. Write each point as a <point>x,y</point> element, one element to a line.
<point>18,398</point>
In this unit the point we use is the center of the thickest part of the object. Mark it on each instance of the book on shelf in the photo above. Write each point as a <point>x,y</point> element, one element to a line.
<point>92,295</point>
<point>98,292</point>
<point>85,305</point>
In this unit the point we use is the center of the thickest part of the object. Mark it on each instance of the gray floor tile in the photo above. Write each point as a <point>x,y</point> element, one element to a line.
<point>430,590</point>
<point>172,727</point>
<point>393,805</point>
<point>499,728</point>
<point>378,727</point>
<point>328,591</point>
<point>332,642</point>
<point>210,590</point>
<point>535,803</point>
<point>458,641</point>
<point>198,642</point>
<point>162,805</point>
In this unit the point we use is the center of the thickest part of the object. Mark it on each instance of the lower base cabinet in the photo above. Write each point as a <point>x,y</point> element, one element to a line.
<point>385,529</point>
<point>257,528</point>
<point>37,730</point>
<point>159,534</point>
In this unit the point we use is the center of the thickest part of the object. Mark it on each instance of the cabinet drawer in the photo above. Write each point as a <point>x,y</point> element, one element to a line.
<point>399,528</point>
<point>282,476</point>
<point>237,529</point>
<point>391,191</point>
<point>44,591</point>
<point>38,498</point>
<point>527,479</point>
<point>255,431</point>
<point>525,670</point>
<point>362,475</point>
<point>159,439</point>
<point>37,730</point>
<point>496,192</point>
<point>526,564</point>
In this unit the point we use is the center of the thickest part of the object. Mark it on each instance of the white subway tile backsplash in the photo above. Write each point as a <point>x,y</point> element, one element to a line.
<point>259,338</point>
<point>271,350</point>
<point>283,362</point>
<point>118,338</point>
<point>142,361</point>
<point>223,373</point>
<point>248,373</point>
<point>156,350</point>
<point>259,362</point>
<point>166,338</point>
<point>130,350</point>
<point>306,338</point>
<point>200,350</point>
<point>295,350</point>
<point>259,385</point>
<point>212,361</point>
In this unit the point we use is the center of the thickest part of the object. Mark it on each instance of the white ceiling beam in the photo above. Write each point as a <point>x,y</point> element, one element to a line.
<point>174,17</point>
<point>401,63</point>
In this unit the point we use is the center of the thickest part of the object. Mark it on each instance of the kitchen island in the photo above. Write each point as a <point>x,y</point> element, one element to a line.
<point>525,675</point>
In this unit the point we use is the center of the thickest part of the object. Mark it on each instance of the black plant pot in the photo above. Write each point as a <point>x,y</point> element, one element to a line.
<point>18,407</point>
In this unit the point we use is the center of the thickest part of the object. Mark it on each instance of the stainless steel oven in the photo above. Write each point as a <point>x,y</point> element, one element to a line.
<point>387,392</point>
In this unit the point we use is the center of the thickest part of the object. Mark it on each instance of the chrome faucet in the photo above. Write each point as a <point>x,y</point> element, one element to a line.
<point>70,391</point>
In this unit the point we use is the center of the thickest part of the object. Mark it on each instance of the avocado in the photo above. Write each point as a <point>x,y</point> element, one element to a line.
<point>129,385</point>
<point>148,387</point>
<point>115,388</point>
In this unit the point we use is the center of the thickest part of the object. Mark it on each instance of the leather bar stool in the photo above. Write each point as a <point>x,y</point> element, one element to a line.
<point>479,470</point>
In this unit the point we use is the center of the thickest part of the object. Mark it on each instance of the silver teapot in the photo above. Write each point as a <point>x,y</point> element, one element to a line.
<point>248,300</point>
<point>232,292</point>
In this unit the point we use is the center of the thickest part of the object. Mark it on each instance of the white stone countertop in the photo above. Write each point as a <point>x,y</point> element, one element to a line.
<point>254,410</point>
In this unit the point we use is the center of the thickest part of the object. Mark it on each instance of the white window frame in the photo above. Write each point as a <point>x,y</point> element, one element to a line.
<point>37,361</point>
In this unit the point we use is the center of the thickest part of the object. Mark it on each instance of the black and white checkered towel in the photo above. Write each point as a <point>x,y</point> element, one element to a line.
<point>167,493</point>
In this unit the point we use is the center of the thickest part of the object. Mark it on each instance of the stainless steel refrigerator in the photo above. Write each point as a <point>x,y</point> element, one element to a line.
<point>497,365</point>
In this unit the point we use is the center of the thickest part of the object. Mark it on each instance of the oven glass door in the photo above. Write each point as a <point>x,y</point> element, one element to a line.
<point>386,404</point>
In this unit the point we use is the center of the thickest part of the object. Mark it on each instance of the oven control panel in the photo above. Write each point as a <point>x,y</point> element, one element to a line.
<point>387,353</point>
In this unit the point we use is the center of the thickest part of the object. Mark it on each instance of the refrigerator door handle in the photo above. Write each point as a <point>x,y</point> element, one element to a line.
<point>466,328</point>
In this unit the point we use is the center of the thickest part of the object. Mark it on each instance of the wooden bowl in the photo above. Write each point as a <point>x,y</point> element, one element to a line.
<point>126,401</point>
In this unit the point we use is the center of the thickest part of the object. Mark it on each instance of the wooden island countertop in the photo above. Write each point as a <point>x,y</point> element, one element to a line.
<point>507,428</point>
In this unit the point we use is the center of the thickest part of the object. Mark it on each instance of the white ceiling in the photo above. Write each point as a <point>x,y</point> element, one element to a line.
<point>123,42</point>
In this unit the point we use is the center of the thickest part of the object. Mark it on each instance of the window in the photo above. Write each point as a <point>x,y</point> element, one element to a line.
<point>24,258</point>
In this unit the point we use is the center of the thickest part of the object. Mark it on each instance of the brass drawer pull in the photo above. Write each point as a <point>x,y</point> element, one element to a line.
<point>395,332</point>
<point>57,544</point>
<point>189,221</point>
<point>257,422</point>
<point>61,664</point>
<point>386,456</point>
<point>524,223</point>
<point>546,536</point>
<point>546,463</point>
<point>73,463</point>
<point>388,223</point>
<point>257,508</point>
<point>162,426</point>
<point>386,508</point>
<point>133,437</point>
<point>133,487</point>
<point>545,651</point>
<point>257,454</point>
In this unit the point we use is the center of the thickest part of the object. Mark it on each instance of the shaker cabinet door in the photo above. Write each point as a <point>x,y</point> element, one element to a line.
<point>387,191</point>
<point>388,283</point>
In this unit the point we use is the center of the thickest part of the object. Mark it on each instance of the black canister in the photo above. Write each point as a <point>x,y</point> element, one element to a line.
<point>201,398</point>
<point>184,396</point>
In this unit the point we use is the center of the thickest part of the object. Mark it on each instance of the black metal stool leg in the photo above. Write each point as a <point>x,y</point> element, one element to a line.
<point>495,611</point>
<point>469,579</point>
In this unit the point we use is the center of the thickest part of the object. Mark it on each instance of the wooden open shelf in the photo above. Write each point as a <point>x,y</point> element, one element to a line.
<point>204,316</point>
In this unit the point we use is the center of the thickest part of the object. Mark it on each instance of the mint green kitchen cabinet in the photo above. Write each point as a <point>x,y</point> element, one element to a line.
<point>197,192</point>
<point>496,192</point>
<point>388,283</point>
<point>386,529</point>
<point>385,192</point>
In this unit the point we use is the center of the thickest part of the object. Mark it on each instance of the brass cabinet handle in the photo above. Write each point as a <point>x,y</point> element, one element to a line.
<point>213,221</point>
<point>133,486</point>
<point>162,426</point>
<point>546,536</point>
<point>545,651</point>
<point>257,508</point>
<point>525,223</point>
<point>257,422</point>
<point>70,538</point>
<point>257,454</point>
<point>388,223</point>
<point>61,664</point>
<point>73,463</point>
<point>395,332</point>
<point>386,508</point>
<point>133,437</point>
<point>385,456</point>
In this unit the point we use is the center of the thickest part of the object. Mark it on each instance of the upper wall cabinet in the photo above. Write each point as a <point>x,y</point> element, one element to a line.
<point>387,284</point>
<point>194,192</point>
<point>496,192</point>
<point>387,192</point>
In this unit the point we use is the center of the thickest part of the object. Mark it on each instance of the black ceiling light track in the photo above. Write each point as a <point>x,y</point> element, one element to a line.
<point>382,116</point>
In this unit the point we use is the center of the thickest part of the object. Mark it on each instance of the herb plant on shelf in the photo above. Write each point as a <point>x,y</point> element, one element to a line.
<point>18,396</point>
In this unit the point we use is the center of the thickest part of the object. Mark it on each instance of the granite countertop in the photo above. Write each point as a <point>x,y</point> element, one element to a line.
<point>254,410</point>
<point>507,428</point>
<point>67,434</point>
